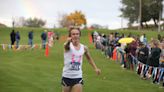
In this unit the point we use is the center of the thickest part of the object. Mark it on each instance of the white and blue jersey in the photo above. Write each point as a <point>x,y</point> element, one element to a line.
<point>73,62</point>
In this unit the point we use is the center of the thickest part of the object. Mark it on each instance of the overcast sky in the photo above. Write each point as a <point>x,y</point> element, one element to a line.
<point>103,12</point>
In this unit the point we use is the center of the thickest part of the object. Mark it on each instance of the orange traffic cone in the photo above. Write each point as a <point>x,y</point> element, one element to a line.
<point>90,37</point>
<point>47,50</point>
<point>114,57</point>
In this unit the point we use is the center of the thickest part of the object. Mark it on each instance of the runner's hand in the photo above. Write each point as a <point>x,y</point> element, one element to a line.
<point>69,39</point>
<point>98,71</point>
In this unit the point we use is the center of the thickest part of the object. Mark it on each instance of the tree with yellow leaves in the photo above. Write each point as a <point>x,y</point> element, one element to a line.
<point>76,18</point>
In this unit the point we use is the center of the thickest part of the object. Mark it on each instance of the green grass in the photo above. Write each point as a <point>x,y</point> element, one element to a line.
<point>31,71</point>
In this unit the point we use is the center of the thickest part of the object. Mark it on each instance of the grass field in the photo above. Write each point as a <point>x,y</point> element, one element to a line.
<point>31,71</point>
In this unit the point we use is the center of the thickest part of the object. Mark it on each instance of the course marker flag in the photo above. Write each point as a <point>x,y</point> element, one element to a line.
<point>47,50</point>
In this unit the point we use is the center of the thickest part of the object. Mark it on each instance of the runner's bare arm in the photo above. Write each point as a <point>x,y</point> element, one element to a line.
<point>90,60</point>
<point>66,44</point>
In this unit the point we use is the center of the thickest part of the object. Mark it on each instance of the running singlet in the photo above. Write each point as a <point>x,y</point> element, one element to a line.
<point>73,62</point>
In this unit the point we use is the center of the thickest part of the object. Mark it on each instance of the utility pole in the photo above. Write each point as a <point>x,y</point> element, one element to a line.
<point>121,22</point>
<point>122,19</point>
<point>13,22</point>
<point>140,15</point>
<point>160,16</point>
<point>159,24</point>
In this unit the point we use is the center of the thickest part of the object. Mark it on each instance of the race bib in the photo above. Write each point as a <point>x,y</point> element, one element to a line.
<point>75,66</point>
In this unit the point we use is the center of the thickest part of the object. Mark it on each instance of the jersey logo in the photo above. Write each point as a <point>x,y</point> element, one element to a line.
<point>75,64</point>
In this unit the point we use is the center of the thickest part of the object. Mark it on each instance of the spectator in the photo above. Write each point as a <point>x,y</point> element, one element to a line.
<point>17,37</point>
<point>30,38</point>
<point>142,56</point>
<point>153,59</point>
<point>12,37</point>
<point>44,38</point>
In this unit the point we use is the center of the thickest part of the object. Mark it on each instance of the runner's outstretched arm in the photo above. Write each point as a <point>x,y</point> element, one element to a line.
<point>90,60</point>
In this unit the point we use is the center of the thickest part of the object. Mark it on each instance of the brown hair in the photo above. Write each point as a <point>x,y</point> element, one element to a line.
<point>72,28</point>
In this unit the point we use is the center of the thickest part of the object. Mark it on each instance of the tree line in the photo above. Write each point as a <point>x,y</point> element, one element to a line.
<point>151,10</point>
<point>76,18</point>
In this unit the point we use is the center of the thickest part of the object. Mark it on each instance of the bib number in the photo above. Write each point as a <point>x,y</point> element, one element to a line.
<point>75,66</point>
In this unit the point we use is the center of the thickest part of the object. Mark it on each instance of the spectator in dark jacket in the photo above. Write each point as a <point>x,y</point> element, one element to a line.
<point>12,37</point>
<point>17,37</point>
<point>44,38</point>
<point>143,53</point>
<point>30,37</point>
<point>142,56</point>
<point>153,59</point>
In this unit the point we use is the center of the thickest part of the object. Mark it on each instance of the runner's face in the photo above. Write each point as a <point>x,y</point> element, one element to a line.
<point>75,35</point>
